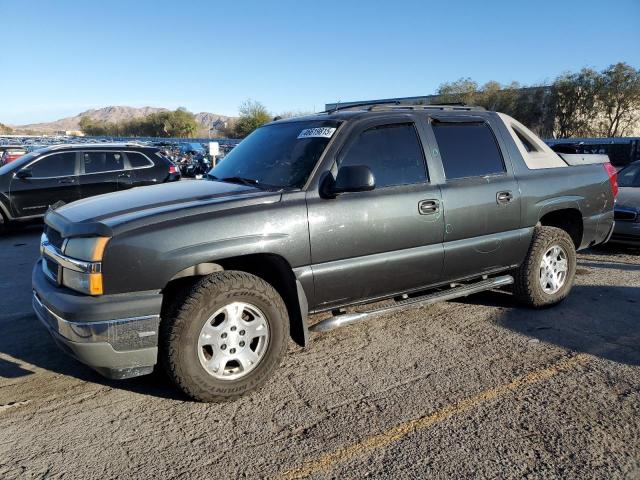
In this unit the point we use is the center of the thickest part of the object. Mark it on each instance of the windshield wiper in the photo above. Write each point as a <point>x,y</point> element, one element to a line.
<point>245,181</point>
<point>242,180</point>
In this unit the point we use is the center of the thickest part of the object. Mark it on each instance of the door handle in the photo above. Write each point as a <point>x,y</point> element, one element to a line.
<point>67,180</point>
<point>504,197</point>
<point>428,207</point>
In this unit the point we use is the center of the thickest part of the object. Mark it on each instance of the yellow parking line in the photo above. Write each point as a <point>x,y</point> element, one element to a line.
<point>400,431</point>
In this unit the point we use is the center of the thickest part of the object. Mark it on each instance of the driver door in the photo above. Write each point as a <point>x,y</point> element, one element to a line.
<point>384,241</point>
<point>52,178</point>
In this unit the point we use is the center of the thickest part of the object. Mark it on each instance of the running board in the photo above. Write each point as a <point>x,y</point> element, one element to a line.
<point>441,296</point>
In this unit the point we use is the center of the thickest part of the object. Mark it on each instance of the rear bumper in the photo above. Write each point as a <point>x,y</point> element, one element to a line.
<point>117,335</point>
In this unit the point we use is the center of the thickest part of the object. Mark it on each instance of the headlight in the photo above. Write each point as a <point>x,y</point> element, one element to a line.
<point>90,249</point>
<point>82,271</point>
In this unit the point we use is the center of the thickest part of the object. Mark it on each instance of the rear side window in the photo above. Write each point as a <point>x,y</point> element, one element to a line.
<point>468,150</point>
<point>96,162</point>
<point>56,165</point>
<point>137,160</point>
<point>392,152</point>
<point>528,146</point>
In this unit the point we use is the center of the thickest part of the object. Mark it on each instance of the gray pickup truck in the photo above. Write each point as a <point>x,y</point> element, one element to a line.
<point>396,206</point>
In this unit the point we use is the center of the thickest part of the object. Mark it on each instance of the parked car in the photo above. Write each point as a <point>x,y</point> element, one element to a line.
<point>9,153</point>
<point>193,148</point>
<point>406,205</point>
<point>37,180</point>
<point>627,210</point>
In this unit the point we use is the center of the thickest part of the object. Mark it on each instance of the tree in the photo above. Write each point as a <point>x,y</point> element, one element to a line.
<point>618,99</point>
<point>179,123</point>
<point>252,115</point>
<point>463,90</point>
<point>574,98</point>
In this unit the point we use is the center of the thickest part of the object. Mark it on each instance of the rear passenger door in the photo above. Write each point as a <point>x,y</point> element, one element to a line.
<point>480,196</point>
<point>379,242</point>
<point>101,172</point>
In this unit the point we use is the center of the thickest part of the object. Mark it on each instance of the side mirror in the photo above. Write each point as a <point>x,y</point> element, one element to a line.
<point>24,173</point>
<point>354,178</point>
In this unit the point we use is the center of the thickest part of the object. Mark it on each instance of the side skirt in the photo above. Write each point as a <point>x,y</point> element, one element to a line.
<point>455,291</point>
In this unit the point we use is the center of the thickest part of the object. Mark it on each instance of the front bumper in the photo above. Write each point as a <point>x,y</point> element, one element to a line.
<point>117,335</point>
<point>627,233</point>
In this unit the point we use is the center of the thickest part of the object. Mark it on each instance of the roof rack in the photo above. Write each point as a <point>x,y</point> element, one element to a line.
<point>347,106</point>
<point>398,105</point>
<point>97,144</point>
<point>443,106</point>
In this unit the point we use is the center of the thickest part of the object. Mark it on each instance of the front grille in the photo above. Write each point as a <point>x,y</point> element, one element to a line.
<point>625,215</point>
<point>626,237</point>
<point>54,237</point>
<point>51,269</point>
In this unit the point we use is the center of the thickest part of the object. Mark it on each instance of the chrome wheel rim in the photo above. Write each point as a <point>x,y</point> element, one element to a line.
<point>554,268</point>
<point>233,341</point>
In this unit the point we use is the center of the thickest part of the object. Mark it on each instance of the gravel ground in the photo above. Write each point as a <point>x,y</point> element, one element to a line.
<point>473,388</point>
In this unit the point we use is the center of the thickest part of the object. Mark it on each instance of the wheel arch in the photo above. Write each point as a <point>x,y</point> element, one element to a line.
<point>567,218</point>
<point>272,268</point>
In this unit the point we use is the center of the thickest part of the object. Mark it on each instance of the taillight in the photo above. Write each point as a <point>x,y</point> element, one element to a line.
<point>613,178</point>
<point>173,169</point>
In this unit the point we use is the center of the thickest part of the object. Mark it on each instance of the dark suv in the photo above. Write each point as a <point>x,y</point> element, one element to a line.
<point>30,184</point>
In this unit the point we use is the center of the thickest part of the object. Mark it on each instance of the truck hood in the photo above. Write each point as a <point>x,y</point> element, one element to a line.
<point>629,197</point>
<point>114,212</point>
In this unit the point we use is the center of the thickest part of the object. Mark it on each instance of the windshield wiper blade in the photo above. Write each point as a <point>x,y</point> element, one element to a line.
<point>244,181</point>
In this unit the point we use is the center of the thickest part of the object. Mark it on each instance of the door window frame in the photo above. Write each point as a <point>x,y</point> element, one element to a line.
<point>471,120</point>
<point>125,162</point>
<point>46,155</point>
<point>361,127</point>
<point>128,162</point>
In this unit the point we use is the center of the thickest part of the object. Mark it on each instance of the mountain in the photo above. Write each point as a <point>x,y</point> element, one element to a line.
<point>113,114</point>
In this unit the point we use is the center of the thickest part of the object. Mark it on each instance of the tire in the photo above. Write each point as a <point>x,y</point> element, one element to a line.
<point>203,327</point>
<point>529,277</point>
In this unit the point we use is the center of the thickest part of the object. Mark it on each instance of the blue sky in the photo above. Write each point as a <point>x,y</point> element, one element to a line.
<point>68,56</point>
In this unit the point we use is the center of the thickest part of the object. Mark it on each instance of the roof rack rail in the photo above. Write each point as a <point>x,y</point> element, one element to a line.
<point>398,105</point>
<point>442,106</point>
<point>347,106</point>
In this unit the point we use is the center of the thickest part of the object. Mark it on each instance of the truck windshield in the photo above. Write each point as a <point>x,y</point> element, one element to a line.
<point>280,155</point>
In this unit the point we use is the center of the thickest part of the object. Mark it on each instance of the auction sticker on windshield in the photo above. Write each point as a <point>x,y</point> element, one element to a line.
<point>319,132</point>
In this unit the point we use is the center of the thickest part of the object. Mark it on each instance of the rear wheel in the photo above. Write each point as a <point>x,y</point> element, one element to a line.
<point>547,273</point>
<point>226,337</point>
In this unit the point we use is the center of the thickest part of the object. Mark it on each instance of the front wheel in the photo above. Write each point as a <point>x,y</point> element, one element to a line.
<point>226,338</point>
<point>547,273</point>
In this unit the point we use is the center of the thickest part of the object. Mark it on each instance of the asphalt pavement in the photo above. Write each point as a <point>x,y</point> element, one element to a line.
<point>477,388</point>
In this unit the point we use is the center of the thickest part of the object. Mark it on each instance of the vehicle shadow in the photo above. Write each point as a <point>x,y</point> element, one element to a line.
<point>600,320</point>
<point>27,341</point>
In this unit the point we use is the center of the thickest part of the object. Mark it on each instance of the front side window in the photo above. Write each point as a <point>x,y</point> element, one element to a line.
<point>468,150</point>
<point>280,155</point>
<point>97,162</point>
<point>392,152</point>
<point>56,165</point>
